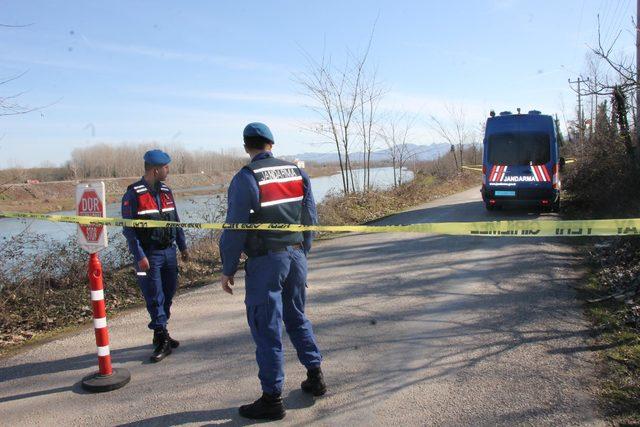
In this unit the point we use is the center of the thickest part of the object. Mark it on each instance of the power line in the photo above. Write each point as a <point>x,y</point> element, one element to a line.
<point>623,14</point>
<point>605,15</point>
<point>604,24</point>
<point>579,30</point>
<point>613,29</point>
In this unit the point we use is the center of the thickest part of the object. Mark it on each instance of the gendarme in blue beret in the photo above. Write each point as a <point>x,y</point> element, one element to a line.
<point>157,158</point>
<point>258,130</point>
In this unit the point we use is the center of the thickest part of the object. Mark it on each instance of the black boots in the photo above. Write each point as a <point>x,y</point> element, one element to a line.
<point>268,407</point>
<point>156,338</point>
<point>162,342</point>
<point>314,383</point>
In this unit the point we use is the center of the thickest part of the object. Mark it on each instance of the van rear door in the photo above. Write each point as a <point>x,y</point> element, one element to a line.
<point>520,164</point>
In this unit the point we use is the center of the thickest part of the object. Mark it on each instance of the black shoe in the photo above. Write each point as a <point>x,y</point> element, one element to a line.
<point>314,383</point>
<point>268,407</point>
<point>163,348</point>
<point>156,339</point>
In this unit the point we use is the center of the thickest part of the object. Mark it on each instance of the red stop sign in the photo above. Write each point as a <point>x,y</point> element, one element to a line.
<point>90,205</point>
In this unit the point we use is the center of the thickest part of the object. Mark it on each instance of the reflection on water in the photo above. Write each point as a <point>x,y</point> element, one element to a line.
<point>200,208</point>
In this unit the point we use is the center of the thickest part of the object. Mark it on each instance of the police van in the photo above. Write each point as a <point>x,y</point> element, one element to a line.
<point>520,162</point>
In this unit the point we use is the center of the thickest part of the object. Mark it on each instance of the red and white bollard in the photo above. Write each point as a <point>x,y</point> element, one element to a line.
<point>107,378</point>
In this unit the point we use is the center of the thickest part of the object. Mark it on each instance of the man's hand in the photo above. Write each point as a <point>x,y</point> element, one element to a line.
<point>227,282</point>
<point>143,264</point>
<point>185,256</point>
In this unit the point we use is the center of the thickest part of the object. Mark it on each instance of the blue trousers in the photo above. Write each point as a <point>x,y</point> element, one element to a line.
<point>275,293</point>
<point>159,284</point>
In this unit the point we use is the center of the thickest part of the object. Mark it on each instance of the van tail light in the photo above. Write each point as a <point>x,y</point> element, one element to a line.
<point>492,202</point>
<point>545,202</point>
<point>556,184</point>
<point>484,175</point>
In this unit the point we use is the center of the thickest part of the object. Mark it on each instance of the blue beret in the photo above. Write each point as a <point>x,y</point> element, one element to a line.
<point>157,158</point>
<point>256,129</point>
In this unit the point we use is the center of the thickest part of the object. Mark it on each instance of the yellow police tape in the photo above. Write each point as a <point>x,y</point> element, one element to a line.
<point>520,228</point>
<point>473,168</point>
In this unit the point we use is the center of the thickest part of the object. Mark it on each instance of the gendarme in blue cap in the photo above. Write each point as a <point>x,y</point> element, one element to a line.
<point>157,158</point>
<point>258,130</point>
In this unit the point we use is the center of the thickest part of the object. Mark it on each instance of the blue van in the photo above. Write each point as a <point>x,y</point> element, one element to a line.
<point>520,161</point>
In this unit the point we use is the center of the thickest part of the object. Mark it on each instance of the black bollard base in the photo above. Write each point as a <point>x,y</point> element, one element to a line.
<point>97,383</point>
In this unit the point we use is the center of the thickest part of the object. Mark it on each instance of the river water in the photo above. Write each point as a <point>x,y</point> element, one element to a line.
<point>201,208</point>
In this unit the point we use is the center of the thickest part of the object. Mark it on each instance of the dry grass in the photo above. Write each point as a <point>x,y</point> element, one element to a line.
<point>55,294</point>
<point>604,183</point>
<point>51,293</point>
<point>360,208</point>
<point>613,305</point>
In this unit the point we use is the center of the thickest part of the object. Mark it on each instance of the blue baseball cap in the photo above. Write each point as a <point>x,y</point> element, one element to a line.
<point>157,158</point>
<point>258,130</point>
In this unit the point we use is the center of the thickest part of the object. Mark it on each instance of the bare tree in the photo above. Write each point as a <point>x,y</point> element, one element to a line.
<point>623,83</point>
<point>396,135</point>
<point>455,130</point>
<point>10,105</point>
<point>594,70</point>
<point>370,96</point>
<point>122,160</point>
<point>341,96</point>
<point>623,67</point>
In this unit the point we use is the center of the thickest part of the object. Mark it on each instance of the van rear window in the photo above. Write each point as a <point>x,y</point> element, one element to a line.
<point>519,148</point>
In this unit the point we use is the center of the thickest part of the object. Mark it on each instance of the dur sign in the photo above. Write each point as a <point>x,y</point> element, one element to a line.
<point>90,201</point>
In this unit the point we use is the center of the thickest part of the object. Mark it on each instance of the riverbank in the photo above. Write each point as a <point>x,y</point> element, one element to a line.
<point>60,195</point>
<point>57,196</point>
<point>31,310</point>
<point>359,208</point>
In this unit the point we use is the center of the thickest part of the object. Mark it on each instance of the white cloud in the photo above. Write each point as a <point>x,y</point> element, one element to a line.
<point>503,4</point>
<point>169,55</point>
<point>66,64</point>
<point>424,105</point>
<point>198,128</point>
<point>268,98</point>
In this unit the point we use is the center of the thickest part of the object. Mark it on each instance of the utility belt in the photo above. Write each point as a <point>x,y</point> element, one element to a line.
<point>264,251</point>
<point>257,245</point>
<point>156,246</point>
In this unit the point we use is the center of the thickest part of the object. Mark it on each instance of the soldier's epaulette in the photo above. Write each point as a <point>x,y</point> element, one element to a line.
<point>138,188</point>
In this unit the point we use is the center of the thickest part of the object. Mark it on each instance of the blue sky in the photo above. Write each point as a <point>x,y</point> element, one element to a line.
<point>195,72</point>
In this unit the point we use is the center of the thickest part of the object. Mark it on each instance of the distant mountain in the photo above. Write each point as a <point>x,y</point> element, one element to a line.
<point>420,152</point>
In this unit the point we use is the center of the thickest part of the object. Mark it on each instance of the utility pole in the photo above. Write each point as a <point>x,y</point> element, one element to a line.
<point>595,85</point>
<point>580,115</point>
<point>637,122</point>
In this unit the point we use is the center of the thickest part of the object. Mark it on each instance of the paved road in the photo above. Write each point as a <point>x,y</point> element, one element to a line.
<point>416,330</point>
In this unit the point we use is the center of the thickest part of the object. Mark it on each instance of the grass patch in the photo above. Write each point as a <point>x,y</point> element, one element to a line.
<point>361,208</point>
<point>53,298</point>
<point>613,307</point>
